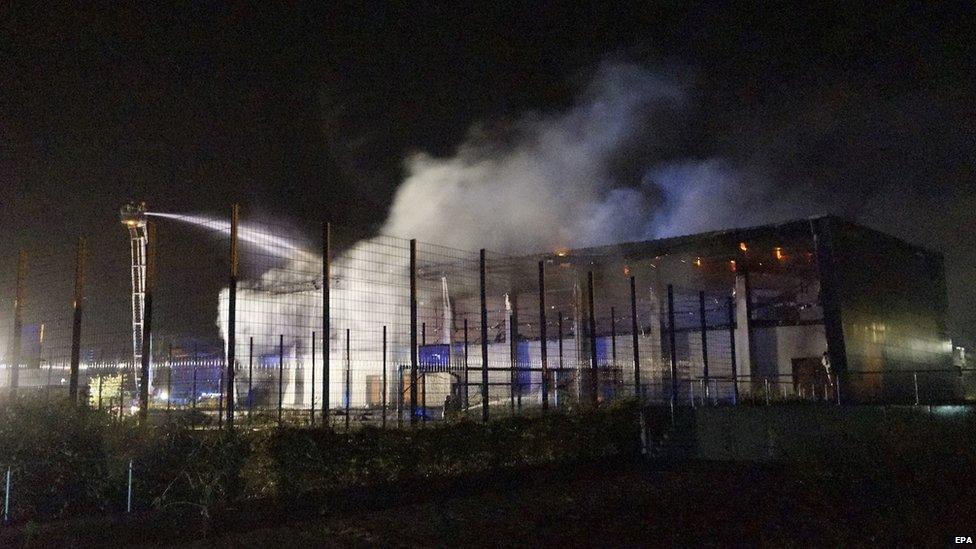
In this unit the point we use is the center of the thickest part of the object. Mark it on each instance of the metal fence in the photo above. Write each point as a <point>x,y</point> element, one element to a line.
<point>337,329</point>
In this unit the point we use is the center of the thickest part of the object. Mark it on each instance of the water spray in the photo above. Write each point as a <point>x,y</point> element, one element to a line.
<point>274,246</point>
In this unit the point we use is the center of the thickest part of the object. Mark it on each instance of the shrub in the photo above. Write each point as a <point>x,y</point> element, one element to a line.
<point>73,461</point>
<point>56,456</point>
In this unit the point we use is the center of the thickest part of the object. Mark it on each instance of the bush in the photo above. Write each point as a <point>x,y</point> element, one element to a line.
<point>55,453</point>
<point>69,461</point>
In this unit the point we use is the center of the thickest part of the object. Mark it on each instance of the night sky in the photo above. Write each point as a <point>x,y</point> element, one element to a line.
<point>308,114</point>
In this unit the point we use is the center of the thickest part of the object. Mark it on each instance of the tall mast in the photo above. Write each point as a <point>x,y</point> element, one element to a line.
<point>133,217</point>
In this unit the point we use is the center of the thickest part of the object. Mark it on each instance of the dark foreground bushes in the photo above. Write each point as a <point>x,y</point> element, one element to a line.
<point>70,462</point>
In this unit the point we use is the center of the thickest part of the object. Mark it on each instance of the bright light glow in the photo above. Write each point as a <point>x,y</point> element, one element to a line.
<point>951,410</point>
<point>779,253</point>
<point>698,262</point>
<point>732,265</point>
<point>743,247</point>
<point>272,245</point>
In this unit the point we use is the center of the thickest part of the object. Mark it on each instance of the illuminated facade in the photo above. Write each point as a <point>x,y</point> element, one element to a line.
<point>876,305</point>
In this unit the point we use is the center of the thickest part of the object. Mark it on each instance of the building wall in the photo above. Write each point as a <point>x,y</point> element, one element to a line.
<point>777,346</point>
<point>893,302</point>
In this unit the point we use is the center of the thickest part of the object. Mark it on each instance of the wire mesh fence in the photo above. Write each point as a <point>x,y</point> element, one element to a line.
<point>332,328</point>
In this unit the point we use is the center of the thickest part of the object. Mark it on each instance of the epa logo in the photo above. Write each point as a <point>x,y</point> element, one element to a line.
<point>964,539</point>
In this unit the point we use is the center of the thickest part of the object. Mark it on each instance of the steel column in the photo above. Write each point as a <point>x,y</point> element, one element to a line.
<point>559,369</point>
<point>78,304</point>
<point>484,338</point>
<point>672,346</point>
<point>232,316</point>
<point>511,361</point>
<point>730,305</point>
<point>169,378</point>
<point>413,331</point>
<point>594,367</point>
<point>281,374</point>
<point>543,341</point>
<point>326,318</point>
<point>250,376</point>
<point>633,329</point>
<point>14,377</point>
<point>348,379</point>
<point>465,364</point>
<point>312,401</point>
<point>704,338</point>
<point>423,376</point>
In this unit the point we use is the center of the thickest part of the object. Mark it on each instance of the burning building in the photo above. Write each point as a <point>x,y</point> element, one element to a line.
<point>817,307</point>
<point>811,302</point>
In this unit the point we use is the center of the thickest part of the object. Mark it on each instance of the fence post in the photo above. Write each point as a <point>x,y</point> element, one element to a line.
<point>483,274</point>
<point>326,319</point>
<point>232,316</point>
<point>413,332</point>
<point>766,385</point>
<point>147,321</point>
<point>220,399</point>
<point>383,388</point>
<point>76,321</point>
<point>512,350</point>
<point>465,366</point>
<point>543,340</point>
<point>672,345</point>
<point>169,378</point>
<point>613,336</point>
<point>594,367</point>
<point>915,380</point>
<point>250,377</point>
<point>634,339</point>
<point>559,329</point>
<point>14,377</point>
<point>735,370</point>
<point>311,406</point>
<point>6,498</point>
<point>423,375</point>
<point>516,367</point>
<point>399,399</point>
<point>128,499</point>
<point>704,339</point>
<point>281,374</point>
<point>348,379</point>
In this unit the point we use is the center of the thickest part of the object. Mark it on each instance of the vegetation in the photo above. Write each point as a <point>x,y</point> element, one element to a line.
<point>73,461</point>
<point>869,475</point>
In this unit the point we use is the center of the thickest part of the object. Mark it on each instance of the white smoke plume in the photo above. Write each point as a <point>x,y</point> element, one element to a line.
<point>547,182</point>
<point>550,183</point>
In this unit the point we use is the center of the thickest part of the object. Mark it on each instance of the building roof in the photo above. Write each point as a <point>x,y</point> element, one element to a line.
<point>723,241</point>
